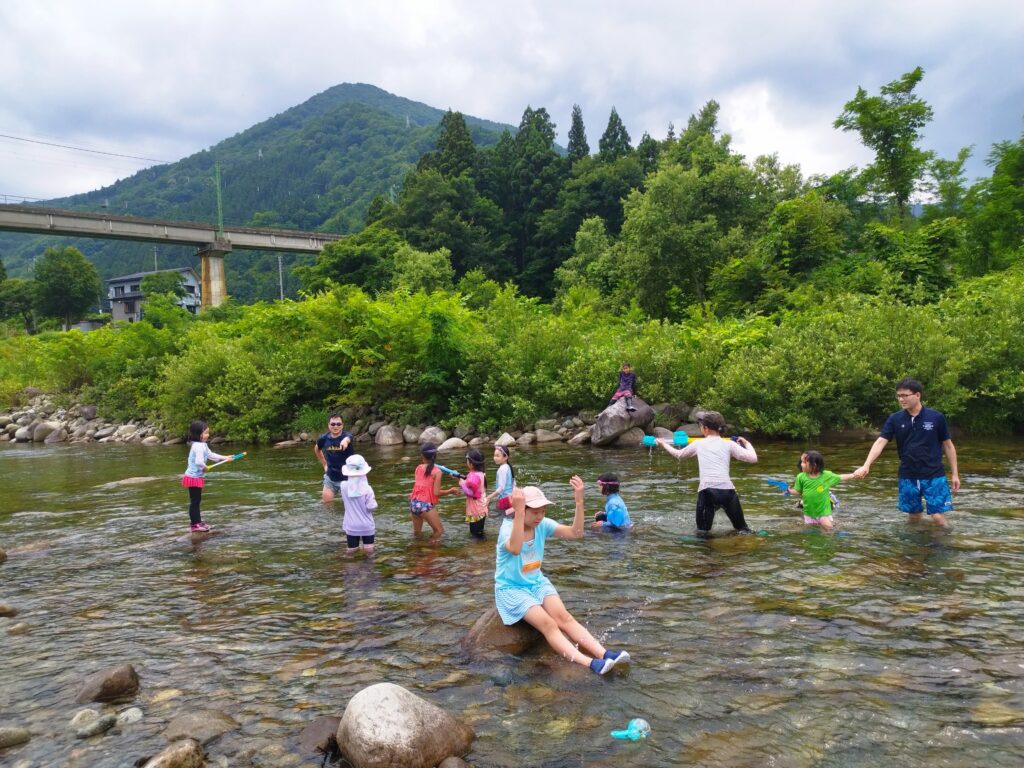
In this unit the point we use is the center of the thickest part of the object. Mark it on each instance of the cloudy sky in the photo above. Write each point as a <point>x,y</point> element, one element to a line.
<point>163,80</point>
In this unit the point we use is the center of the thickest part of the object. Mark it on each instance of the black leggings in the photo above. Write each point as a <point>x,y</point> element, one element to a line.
<point>476,528</point>
<point>195,497</point>
<point>353,541</point>
<point>711,499</point>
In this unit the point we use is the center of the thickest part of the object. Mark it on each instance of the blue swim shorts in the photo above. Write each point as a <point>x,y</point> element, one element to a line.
<point>418,507</point>
<point>934,491</point>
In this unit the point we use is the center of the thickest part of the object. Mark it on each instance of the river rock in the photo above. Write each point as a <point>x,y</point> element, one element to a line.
<point>375,427</point>
<point>411,434</point>
<point>580,438</point>
<point>105,432</point>
<point>478,440</point>
<point>615,420</point>
<point>186,753</point>
<point>453,762</point>
<point>23,435</point>
<point>57,436</point>
<point>321,735</point>
<point>632,436</point>
<point>287,443</point>
<point>434,435</point>
<point>21,628</point>
<point>546,436</point>
<point>4,420</point>
<point>100,725</point>
<point>490,633</point>
<point>660,433</point>
<point>3,555</point>
<point>129,716</point>
<point>203,725</point>
<point>505,440</point>
<point>388,435</point>
<point>111,684</point>
<point>548,424</point>
<point>177,441</point>
<point>385,725</point>
<point>152,440</point>
<point>527,438</point>
<point>83,718</point>
<point>453,444</point>
<point>87,412</point>
<point>12,736</point>
<point>7,611</point>
<point>127,430</point>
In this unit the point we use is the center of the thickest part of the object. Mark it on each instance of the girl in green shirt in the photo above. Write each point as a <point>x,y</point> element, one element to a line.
<point>812,485</point>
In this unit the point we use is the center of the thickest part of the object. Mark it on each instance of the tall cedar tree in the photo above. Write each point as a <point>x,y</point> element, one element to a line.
<point>455,153</point>
<point>615,141</point>
<point>578,147</point>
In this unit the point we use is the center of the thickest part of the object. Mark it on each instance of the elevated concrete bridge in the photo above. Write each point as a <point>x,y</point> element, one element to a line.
<point>212,244</point>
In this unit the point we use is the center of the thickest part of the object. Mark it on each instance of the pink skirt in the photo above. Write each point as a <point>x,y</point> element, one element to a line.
<point>187,481</point>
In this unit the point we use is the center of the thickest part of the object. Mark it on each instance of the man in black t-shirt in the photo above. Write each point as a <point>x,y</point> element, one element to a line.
<point>332,450</point>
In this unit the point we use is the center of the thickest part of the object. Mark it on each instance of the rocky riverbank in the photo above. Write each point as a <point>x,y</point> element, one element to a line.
<point>43,421</point>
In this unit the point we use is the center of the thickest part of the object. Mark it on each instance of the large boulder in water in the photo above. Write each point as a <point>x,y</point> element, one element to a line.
<point>388,435</point>
<point>385,726</point>
<point>110,684</point>
<point>615,420</point>
<point>490,633</point>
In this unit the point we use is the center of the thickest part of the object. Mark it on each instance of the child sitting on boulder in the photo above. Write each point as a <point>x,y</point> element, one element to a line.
<point>626,388</point>
<point>522,591</point>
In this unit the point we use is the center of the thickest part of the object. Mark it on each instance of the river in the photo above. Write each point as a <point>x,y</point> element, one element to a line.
<point>882,644</point>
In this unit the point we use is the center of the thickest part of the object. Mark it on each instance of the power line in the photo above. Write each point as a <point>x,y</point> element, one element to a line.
<point>83,149</point>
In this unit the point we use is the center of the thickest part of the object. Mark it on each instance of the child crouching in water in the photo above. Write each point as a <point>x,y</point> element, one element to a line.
<point>812,486</point>
<point>615,516</point>
<point>360,501</point>
<point>522,591</point>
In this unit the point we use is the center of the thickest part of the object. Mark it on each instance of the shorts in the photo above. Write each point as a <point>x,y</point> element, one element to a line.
<point>353,541</point>
<point>933,490</point>
<point>513,602</point>
<point>819,520</point>
<point>334,485</point>
<point>417,507</point>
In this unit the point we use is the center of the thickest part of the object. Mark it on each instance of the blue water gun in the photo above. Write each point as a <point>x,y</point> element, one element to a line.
<point>780,484</point>
<point>637,729</point>
<point>236,457</point>
<point>451,472</point>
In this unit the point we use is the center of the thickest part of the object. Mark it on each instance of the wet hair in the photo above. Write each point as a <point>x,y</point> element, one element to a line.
<point>816,460</point>
<point>195,431</point>
<point>475,459</point>
<point>912,384</point>
<point>504,450</point>
<point>609,483</point>
<point>429,452</point>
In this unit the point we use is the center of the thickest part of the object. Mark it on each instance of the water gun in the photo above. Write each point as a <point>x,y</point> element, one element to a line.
<point>780,484</point>
<point>236,457</point>
<point>451,472</point>
<point>637,729</point>
<point>679,439</point>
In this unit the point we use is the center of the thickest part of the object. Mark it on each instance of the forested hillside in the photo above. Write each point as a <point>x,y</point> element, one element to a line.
<point>315,166</point>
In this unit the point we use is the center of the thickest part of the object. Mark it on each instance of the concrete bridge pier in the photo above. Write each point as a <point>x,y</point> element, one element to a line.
<point>214,285</point>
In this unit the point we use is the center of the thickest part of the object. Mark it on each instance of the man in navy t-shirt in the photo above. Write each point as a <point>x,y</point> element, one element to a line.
<point>332,450</point>
<point>922,436</point>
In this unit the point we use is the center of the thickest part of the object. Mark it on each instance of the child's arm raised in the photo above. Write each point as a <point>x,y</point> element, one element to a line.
<point>515,542</point>
<point>574,531</point>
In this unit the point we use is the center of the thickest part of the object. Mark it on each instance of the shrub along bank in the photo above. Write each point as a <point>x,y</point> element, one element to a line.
<point>490,363</point>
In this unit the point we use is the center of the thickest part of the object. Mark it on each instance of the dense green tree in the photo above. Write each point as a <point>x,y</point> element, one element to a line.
<point>614,143</point>
<point>67,284</point>
<point>891,124</point>
<point>363,259</point>
<point>647,151</point>
<point>699,145</point>
<point>537,176</point>
<point>947,185</point>
<point>164,282</point>
<point>592,263</point>
<point>578,147</point>
<point>17,300</point>
<point>421,271</point>
<point>995,211</point>
<point>455,153</point>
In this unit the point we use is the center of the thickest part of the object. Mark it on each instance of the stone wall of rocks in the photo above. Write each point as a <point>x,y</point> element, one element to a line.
<point>41,421</point>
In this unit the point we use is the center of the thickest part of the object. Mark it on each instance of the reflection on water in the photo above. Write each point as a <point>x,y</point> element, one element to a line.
<point>883,643</point>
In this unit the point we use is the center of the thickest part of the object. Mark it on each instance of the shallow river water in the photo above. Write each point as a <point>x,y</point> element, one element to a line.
<point>885,644</point>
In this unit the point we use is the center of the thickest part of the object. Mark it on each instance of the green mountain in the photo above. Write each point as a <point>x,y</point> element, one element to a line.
<point>316,166</point>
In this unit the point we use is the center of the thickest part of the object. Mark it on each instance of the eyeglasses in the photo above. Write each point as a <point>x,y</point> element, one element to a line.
<point>334,424</point>
<point>904,395</point>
